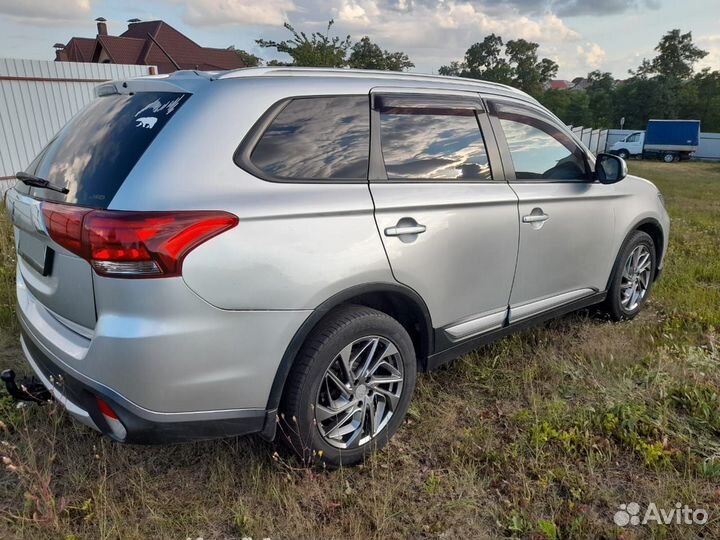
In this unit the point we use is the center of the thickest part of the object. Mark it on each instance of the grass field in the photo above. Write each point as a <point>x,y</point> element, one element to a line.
<point>541,435</point>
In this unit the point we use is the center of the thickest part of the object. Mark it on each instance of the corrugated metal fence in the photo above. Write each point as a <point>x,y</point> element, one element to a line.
<point>38,97</point>
<point>595,139</point>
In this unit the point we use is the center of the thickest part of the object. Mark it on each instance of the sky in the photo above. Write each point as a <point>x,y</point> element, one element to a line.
<point>580,35</point>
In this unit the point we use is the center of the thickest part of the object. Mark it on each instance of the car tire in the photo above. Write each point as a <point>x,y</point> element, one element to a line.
<point>623,154</point>
<point>320,384</point>
<point>632,277</point>
<point>668,157</point>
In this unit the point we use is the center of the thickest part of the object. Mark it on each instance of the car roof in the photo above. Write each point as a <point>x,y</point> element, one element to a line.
<point>189,79</point>
<point>375,76</point>
<point>192,80</point>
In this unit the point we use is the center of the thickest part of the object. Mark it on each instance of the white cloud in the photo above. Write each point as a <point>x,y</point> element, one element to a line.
<point>465,16</point>
<point>354,13</point>
<point>711,44</point>
<point>46,9</point>
<point>447,21</point>
<point>592,55</point>
<point>433,34</point>
<point>243,12</point>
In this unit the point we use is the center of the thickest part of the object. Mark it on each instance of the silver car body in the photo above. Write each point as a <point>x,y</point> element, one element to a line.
<point>213,346</point>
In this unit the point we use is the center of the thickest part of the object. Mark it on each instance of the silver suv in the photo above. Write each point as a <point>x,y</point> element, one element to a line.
<point>282,250</point>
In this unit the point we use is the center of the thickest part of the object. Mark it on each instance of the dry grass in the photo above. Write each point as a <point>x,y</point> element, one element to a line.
<point>541,435</point>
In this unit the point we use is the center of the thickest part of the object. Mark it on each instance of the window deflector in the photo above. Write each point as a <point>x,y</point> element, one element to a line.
<point>569,141</point>
<point>427,98</point>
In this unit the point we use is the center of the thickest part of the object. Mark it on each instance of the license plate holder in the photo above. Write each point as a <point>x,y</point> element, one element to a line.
<point>36,253</point>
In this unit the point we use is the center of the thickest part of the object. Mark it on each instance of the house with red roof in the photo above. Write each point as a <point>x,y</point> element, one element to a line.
<point>558,84</point>
<point>148,43</point>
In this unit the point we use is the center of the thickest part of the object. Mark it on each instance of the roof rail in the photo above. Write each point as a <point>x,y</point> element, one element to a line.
<point>359,73</point>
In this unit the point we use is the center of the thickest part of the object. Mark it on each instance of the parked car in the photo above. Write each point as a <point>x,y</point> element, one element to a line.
<point>281,251</point>
<point>669,140</point>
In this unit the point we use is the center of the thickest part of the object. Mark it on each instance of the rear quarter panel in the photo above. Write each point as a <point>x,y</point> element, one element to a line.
<point>296,244</point>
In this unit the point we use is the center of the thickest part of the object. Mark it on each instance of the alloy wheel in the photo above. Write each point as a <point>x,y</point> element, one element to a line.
<point>359,392</point>
<point>636,278</point>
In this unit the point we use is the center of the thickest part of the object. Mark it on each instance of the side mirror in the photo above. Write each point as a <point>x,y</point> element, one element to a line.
<point>610,169</point>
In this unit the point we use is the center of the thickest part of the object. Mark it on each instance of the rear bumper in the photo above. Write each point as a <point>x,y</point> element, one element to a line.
<point>164,349</point>
<point>172,367</point>
<point>49,375</point>
<point>79,399</point>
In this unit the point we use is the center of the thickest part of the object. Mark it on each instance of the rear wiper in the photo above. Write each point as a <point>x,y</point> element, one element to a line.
<point>35,181</point>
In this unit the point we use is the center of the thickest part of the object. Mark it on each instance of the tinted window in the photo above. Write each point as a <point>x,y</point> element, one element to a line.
<point>325,138</point>
<point>433,143</point>
<point>539,149</point>
<point>93,154</point>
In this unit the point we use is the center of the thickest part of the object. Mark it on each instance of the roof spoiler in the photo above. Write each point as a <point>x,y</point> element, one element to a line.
<point>105,89</point>
<point>186,81</point>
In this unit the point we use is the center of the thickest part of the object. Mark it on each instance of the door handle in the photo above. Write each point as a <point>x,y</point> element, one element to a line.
<point>403,230</point>
<point>535,218</point>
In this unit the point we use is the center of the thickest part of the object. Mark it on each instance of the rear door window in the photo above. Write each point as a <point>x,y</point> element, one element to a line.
<point>317,138</point>
<point>94,153</point>
<point>432,142</point>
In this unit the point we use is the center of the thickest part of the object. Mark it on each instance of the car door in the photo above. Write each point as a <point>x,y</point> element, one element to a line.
<point>634,143</point>
<point>566,218</point>
<point>446,215</point>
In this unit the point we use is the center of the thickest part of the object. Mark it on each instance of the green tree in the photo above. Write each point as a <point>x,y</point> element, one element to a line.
<point>571,107</point>
<point>515,63</point>
<point>669,73</point>
<point>368,55</point>
<point>638,100</point>
<point>529,74</point>
<point>249,59</point>
<point>485,60</point>
<point>676,59</point>
<point>317,50</point>
<point>453,69</point>
<point>665,86</point>
<point>601,99</point>
<point>707,84</point>
<point>699,98</point>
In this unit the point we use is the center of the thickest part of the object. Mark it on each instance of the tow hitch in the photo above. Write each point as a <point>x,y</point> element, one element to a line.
<point>29,389</point>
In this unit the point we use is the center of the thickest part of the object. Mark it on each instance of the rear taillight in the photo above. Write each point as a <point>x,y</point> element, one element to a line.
<point>133,244</point>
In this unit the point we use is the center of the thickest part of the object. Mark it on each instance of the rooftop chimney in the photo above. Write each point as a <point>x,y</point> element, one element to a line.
<point>101,26</point>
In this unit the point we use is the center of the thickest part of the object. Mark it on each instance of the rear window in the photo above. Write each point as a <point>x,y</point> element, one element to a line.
<point>93,154</point>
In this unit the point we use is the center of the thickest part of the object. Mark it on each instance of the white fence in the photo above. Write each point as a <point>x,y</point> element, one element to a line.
<point>709,146</point>
<point>38,97</point>
<point>595,139</point>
